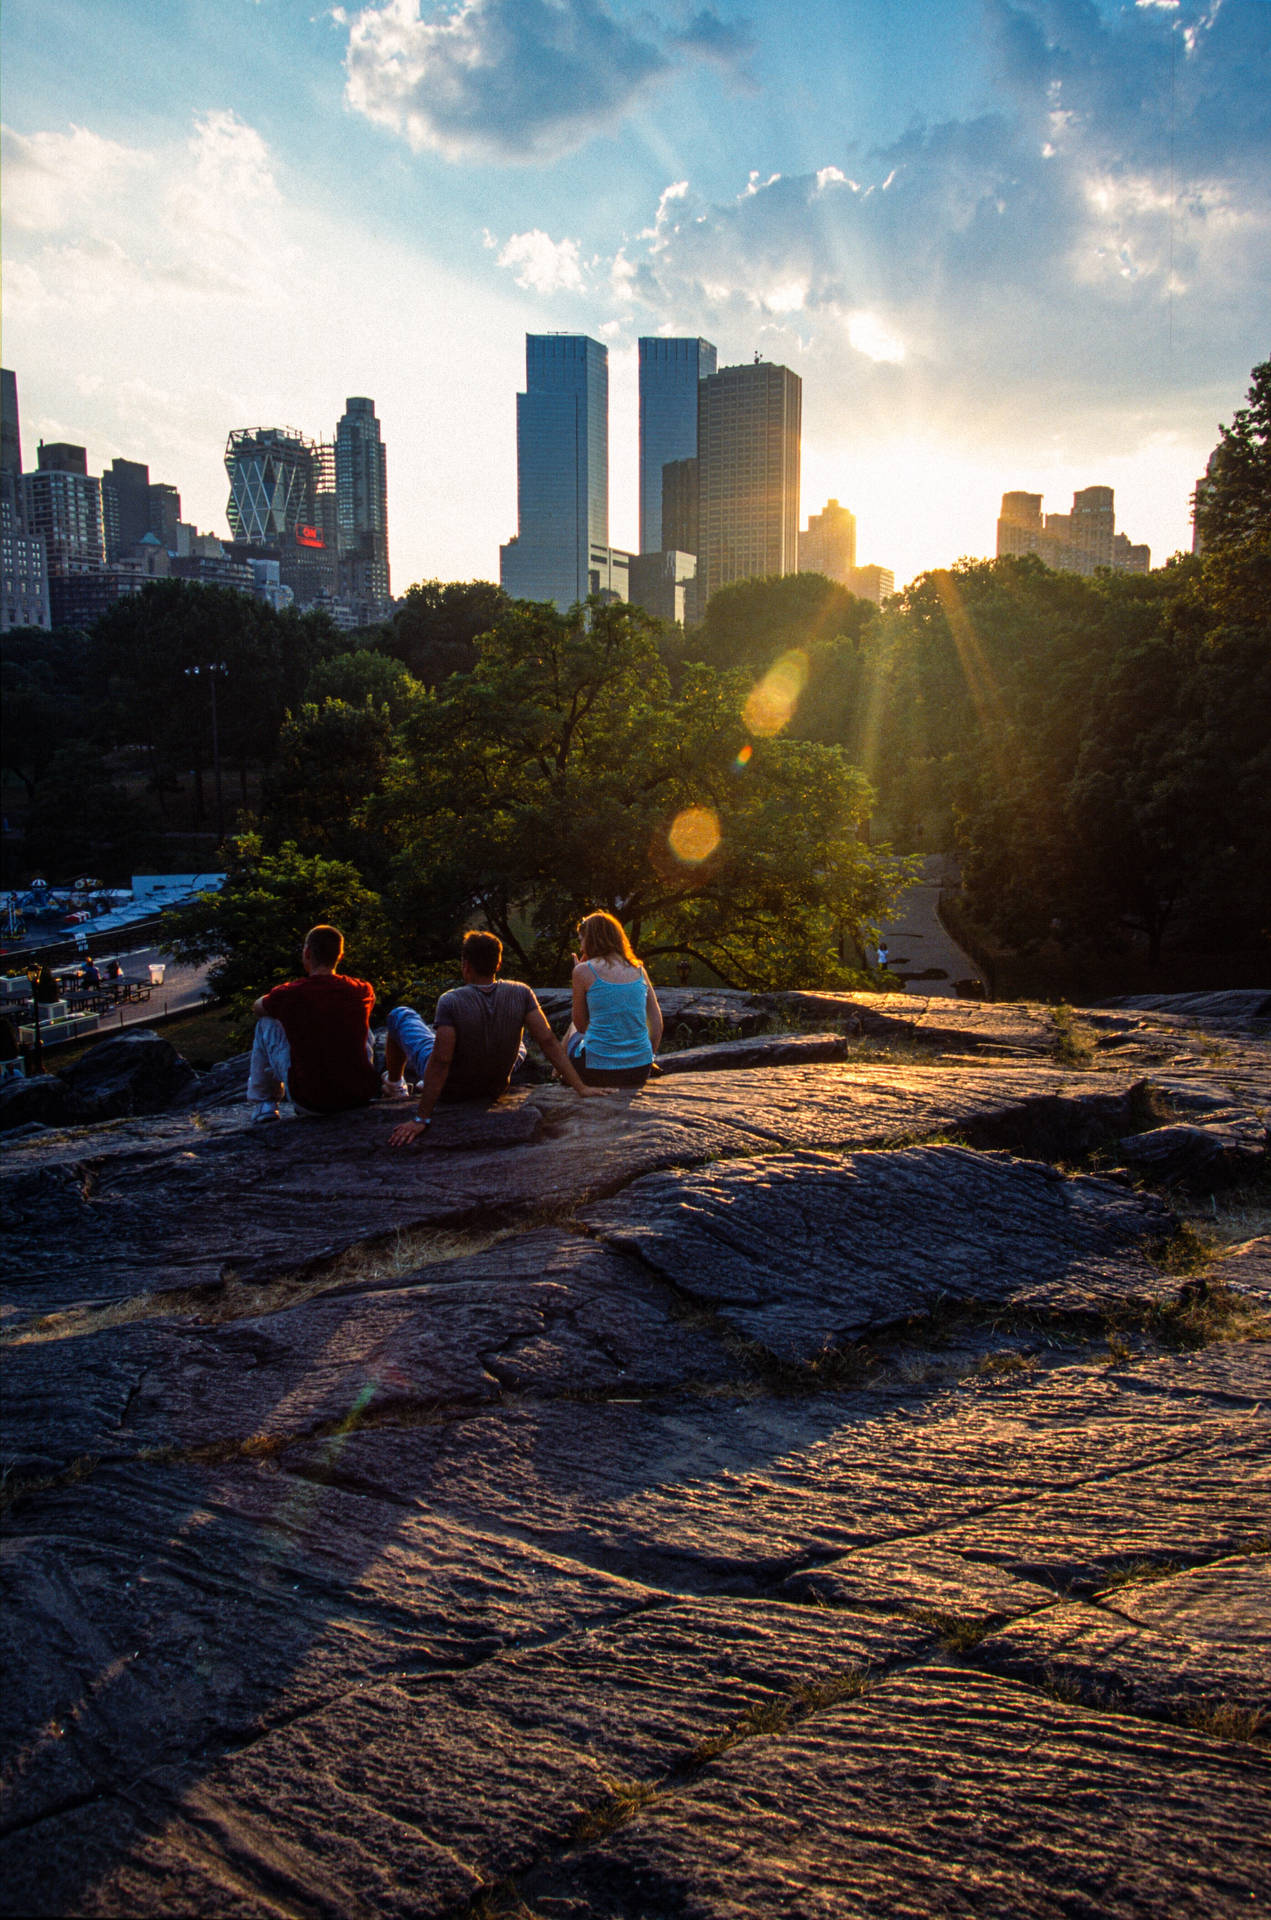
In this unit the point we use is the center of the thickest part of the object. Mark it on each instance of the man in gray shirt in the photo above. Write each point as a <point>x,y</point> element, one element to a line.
<point>470,1053</point>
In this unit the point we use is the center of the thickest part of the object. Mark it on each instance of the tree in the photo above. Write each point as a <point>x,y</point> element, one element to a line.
<point>363,675</point>
<point>434,628</point>
<point>751,622</point>
<point>253,928</point>
<point>42,683</point>
<point>1233,501</point>
<point>551,779</point>
<point>331,760</point>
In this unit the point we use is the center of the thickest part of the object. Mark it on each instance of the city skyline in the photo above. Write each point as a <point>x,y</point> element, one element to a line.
<point>1004,247</point>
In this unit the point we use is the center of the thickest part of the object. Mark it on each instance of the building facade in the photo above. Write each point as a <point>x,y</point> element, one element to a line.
<point>870,583</point>
<point>361,501</point>
<point>125,506</point>
<point>669,373</point>
<point>24,577</point>
<point>282,499</point>
<point>562,473</point>
<point>828,543</point>
<point>749,434</point>
<point>62,506</point>
<point>1078,542</point>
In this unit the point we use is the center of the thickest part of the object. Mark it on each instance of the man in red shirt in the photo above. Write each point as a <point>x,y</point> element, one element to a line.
<point>313,1038</point>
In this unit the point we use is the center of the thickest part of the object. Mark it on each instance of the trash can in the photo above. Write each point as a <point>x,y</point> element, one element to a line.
<point>157,968</point>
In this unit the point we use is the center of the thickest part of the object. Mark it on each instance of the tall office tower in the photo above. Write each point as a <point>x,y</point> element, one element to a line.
<point>1078,542</point>
<point>62,504</point>
<point>276,477</point>
<point>361,495</point>
<point>669,373</point>
<point>24,578</point>
<point>1020,527</point>
<point>828,543</point>
<point>749,422</point>
<point>561,549</point>
<point>10,433</point>
<point>165,513</point>
<point>679,506</point>
<point>125,506</point>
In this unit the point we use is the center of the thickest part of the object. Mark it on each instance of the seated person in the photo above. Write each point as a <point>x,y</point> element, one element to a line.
<point>617,1023</point>
<point>477,1040</point>
<point>91,977</point>
<point>313,1037</point>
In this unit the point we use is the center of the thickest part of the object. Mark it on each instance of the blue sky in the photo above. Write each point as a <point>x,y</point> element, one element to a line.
<point>1006,243</point>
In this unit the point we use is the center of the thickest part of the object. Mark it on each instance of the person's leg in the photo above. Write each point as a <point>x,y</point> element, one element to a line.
<point>270,1063</point>
<point>408,1043</point>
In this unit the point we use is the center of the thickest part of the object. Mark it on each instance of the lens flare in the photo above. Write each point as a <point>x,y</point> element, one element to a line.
<point>694,835</point>
<point>772,703</point>
<point>744,758</point>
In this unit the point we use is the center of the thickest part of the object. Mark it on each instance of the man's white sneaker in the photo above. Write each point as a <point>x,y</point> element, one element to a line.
<point>266,1110</point>
<point>393,1089</point>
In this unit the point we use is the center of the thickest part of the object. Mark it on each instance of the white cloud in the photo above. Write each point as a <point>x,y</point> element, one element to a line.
<point>50,178</point>
<point>498,80</point>
<point>545,265</point>
<point>872,337</point>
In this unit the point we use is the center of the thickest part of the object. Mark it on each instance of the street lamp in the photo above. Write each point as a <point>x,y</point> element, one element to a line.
<point>212,669</point>
<point>33,975</point>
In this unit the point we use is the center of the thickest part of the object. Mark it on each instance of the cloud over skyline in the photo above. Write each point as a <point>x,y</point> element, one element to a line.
<point>1026,245</point>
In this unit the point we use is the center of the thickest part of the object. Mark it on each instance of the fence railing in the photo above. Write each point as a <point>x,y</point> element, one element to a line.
<point>106,942</point>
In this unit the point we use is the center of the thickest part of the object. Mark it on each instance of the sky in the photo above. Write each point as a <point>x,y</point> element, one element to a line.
<point>1007,244</point>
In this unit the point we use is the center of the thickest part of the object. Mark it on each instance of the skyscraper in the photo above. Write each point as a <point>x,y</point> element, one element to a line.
<point>749,426</point>
<point>125,506</point>
<point>669,373</point>
<point>1078,542</point>
<point>10,433</point>
<point>62,504</point>
<point>280,486</point>
<point>828,543</point>
<point>361,498</point>
<point>561,548</point>
<point>24,580</point>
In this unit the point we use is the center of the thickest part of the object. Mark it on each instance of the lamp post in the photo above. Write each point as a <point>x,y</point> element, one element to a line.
<point>212,669</point>
<point>33,975</point>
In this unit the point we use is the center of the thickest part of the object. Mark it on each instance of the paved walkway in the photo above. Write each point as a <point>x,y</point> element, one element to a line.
<point>916,940</point>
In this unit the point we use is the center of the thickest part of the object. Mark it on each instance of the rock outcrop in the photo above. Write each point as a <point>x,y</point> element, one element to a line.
<point>835,1481</point>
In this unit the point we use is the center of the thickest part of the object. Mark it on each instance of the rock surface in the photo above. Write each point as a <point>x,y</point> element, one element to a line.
<point>823,1486</point>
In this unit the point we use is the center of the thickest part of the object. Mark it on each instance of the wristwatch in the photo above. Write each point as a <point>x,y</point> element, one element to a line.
<point>420,1121</point>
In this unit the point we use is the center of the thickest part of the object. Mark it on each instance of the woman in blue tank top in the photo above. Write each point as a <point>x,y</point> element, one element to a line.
<point>617,1022</point>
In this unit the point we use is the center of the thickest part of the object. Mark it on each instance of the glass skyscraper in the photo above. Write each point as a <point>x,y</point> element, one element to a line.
<point>749,434</point>
<point>669,373</point>
<point>361,502</point>
<point>561,551</point>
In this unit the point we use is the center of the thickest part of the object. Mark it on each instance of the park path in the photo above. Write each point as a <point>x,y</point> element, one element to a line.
<point>916,939</point>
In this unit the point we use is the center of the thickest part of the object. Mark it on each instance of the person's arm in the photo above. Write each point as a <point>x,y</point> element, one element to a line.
<point>543,1037</point>
<point>580,982</point>
<point>653,1014</point>
<point>436,1074</point>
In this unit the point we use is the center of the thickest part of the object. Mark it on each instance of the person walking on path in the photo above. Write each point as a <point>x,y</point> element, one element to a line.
<point>477,1040</point>
<point>313,1037</point>
<point>617,1022</point>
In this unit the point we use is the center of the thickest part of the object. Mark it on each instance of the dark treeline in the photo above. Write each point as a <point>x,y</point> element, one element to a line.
<point>1097,750</point>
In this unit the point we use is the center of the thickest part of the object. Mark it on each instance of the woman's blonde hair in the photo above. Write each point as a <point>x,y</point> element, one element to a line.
<point>601,937</point>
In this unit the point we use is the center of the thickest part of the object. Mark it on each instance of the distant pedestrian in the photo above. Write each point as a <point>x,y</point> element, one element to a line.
<point>882,957</point>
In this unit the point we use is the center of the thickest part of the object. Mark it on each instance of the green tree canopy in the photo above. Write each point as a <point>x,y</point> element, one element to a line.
<point>1233,502</point>
<point>551,779</point>
<point>433,629</point>
<point>362,675</point>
